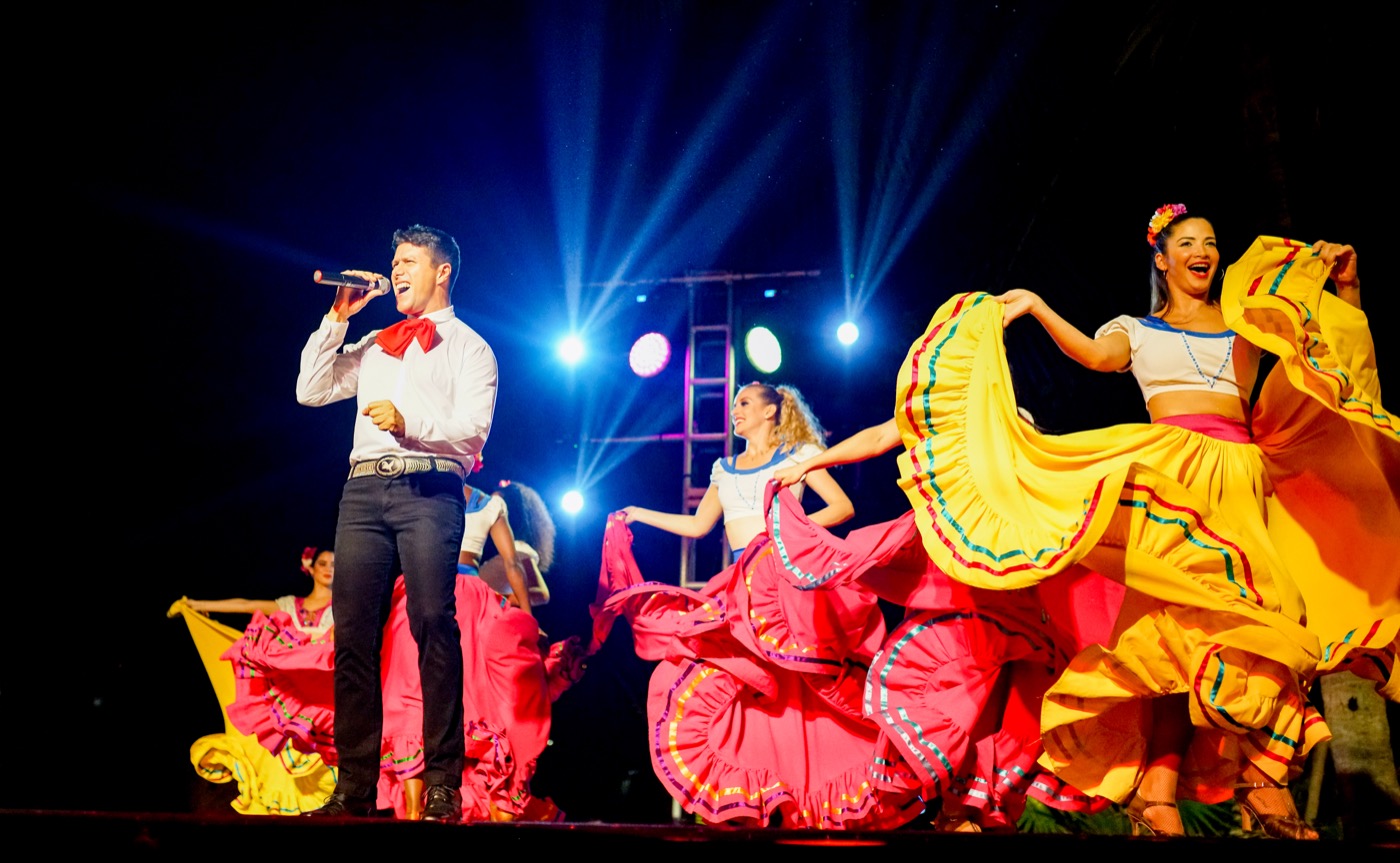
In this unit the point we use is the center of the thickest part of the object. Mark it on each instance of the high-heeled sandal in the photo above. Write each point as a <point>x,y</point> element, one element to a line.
<point>1274,815</point>
<point>413,798</point>
<point>1136,811</point>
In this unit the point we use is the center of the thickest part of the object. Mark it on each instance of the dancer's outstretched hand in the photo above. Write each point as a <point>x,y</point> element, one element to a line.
<point>1015,303</point>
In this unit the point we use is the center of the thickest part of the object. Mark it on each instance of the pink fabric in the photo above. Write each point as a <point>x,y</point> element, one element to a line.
<point>755,701</point>
<point>1218,427</point>
<point>284,686</point>
<point>956,687</point>
<point>778,690</point>
<point>727,753</point>
<point>506,696</point>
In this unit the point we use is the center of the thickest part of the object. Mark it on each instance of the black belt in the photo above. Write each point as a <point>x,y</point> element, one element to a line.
<point>391,466</point>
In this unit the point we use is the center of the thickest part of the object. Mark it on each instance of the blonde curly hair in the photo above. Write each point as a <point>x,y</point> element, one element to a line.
<point>795,424</point>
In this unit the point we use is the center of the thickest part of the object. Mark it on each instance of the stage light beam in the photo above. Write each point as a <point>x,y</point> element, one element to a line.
<point>847,333</point>
<point>572,501</point>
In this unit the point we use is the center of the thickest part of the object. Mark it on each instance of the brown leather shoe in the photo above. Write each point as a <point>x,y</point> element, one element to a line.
<point>441,803</point>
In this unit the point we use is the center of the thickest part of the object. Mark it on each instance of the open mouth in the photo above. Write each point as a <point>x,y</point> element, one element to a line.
<point>1200,269</point>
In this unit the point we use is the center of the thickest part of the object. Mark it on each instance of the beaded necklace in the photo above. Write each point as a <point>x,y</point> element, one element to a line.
<point>759,480</point>
<point>1214,379</point>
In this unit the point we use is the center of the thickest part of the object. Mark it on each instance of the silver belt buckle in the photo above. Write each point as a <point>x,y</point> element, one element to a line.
<point>389,466</point>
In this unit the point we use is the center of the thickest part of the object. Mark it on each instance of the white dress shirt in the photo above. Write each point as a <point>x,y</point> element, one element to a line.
<point>447,395</point>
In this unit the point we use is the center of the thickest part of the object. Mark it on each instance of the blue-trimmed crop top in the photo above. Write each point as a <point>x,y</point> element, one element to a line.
<point>482,511</point>
<point>741,489</point>
<point>1166,359</point>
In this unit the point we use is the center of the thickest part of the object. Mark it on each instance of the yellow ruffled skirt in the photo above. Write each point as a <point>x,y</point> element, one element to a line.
<point>289,783</point>
<point>1177,516</point>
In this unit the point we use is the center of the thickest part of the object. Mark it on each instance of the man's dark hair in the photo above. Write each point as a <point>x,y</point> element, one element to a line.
<point>440,243</point>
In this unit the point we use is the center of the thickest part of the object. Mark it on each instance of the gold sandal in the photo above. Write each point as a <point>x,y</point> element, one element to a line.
<point>413,798</point>
<point>1137,816</point>
<point>1274,815</point>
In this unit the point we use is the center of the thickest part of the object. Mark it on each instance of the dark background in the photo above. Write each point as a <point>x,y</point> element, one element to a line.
<point>188,172</point>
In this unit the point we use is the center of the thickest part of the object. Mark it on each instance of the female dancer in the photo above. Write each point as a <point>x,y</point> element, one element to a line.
<point>1003,506</point>
<point>288,638</point>
<point>1201,690</point>
<point>754,704</point>
<point>778,428</point>
<point>282,664</point>
<point>311,613</point>
<point>1197,374</point>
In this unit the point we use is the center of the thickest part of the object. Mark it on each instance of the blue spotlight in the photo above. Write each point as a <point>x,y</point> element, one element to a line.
<point>763,350</point>
<point>769,293</point>
<point>641,298</point>
<point>572,501</point>
<point>570,349</point>
<point>847,333</point>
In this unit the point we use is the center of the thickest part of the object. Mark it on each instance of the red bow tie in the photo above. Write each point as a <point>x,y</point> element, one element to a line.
<point>395,339</point>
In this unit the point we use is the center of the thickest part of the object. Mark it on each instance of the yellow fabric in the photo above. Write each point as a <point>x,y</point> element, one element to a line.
<point>1177,516</point>
<point>211,639</point>
<point>1335,511</point>
<point>286,784</point>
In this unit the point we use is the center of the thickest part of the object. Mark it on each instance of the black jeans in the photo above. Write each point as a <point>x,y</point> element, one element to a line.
<point>420,516</point>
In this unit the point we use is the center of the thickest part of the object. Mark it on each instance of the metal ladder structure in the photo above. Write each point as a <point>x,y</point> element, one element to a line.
<point>709,386</point>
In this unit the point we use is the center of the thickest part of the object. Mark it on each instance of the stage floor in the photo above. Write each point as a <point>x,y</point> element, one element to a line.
<point>154,834</point>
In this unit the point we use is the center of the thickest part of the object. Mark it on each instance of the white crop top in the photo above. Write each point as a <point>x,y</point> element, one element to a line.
<point>741,490</point>
<point>481,514</point>
<point>1165,359</point>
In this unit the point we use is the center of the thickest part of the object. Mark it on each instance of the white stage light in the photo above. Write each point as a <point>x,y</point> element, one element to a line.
<point>763,350</point>
<point>570,349</point>
<point>572,502</point>
<point>847,333</point>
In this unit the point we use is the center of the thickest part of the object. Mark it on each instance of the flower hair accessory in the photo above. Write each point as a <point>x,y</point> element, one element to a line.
<point>1161,218</point>
<point>308,554</point>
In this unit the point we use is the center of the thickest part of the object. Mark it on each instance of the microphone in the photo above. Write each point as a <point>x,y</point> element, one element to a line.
<point>336,280</point>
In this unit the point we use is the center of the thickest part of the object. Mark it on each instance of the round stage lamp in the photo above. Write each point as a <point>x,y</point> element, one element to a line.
<point>572,502</point>
<point>649,355</point>
<point>570,349</point>
<point>763,350</point>
<point>847,333</point>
